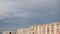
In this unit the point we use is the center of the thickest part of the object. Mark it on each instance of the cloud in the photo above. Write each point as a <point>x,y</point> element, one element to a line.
<point>3,9</point>
<point>36,3</point>
<point>52,12</point>
<point>8,8</point>
<point>24,14</point>
<point>18,13</point>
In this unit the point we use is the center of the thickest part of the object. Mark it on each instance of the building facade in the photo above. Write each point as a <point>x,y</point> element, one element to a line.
<point>53,28</point>
<point>12,32</point>
<point>9,32</point>
<point>5,32</point>
<point>23,31</point>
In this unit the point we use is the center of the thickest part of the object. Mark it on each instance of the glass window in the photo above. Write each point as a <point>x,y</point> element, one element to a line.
<point>10,33</point>
<point>43,30</point>
<point>47,30</point>
<point>52,29</point>
<point>57,27</point>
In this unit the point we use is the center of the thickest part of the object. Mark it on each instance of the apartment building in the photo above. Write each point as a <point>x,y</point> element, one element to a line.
<point>9,32</point>
<point>52,28</point>
<point>12,32</point>
<point>5,32</point>
<point>34,29</point>
<point>23,31</point>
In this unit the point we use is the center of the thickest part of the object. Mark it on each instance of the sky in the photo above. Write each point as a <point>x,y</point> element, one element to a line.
<point>16,14</point>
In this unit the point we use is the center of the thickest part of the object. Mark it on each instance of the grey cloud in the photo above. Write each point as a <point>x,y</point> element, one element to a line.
<point>26,5</point>
<point>33,3</point>
<point>29,12</point>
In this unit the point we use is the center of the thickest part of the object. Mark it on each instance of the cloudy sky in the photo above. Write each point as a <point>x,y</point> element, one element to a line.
<point>23,13</point>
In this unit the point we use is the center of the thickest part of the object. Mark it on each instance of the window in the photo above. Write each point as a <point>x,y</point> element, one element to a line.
<point>10,33</point>
<point>52,29</point>
<point>43,30</point>
<point>48,30</point>
<point>33,32</point>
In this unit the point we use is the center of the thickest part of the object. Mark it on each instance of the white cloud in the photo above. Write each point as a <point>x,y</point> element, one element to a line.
<point>25,14</point>
<point>53,12</point>
<point>10,7</point>
<point>35,3</point>
<point>3,11</point>
<point>5,8</point>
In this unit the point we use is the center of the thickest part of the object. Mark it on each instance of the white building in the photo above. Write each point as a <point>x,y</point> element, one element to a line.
<point>53,28</point>
<point>9,32</point>
<point>23,31</point>
<point>5,32</point>
<point>12,32</point>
